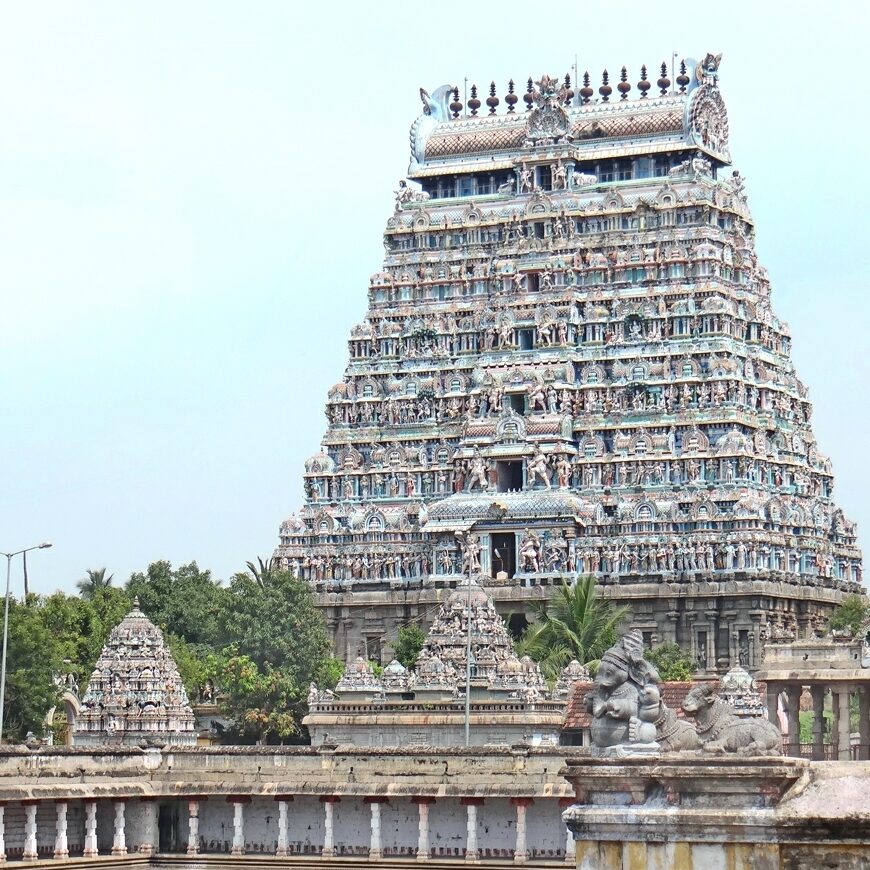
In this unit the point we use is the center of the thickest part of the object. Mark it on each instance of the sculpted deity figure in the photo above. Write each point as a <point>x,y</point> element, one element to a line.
<point>560,177</point>
<point>530,548</point>
<point>477,472</point>
<point>506,334</point>
<point>563,472</point>
<point>537,398</point>
<point>626,701</point>
<point>537,468</point>
<point>545,333</point>
<point>469,545</point>
<point>525,180</point>
<point>446,562</point>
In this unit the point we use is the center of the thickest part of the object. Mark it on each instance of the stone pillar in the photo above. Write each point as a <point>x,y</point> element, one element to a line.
<point>375,852</point>
<point>119,840</point>
<point>283,801</point>
<point>844,731</point>
<point>193,825</point>
<point>328,850</point>
<point>61,845</point>
<point>794,722</point>
<point>423,826</point>
<point>773,703</point>
<point>2,833</point>
<point>818,693</point>
<point>90,850</point>
<point>570,846</point>
<point>30,852</point>
<point>238,802</point>
<point>864,723</point>
<point>149,842</point>
<point>521,853</point>
<point>471,804</point>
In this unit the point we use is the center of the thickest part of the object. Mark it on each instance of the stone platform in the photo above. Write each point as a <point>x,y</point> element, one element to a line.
<point>678,813</point>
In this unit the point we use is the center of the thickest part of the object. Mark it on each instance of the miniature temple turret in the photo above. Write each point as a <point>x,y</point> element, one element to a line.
<point>569,365</point>
<point>509,700</point>
<point>135,695</point>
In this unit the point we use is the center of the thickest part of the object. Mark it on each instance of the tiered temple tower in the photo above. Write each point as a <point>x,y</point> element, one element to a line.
<point>135,696</point>
<point>570,365</point>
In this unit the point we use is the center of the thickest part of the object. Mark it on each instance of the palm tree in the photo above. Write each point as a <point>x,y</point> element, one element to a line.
<point>574,624</point>
<point>262,572</point>
<point>93,583</point>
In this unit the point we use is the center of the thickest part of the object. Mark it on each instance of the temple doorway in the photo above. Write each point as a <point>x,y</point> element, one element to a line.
<point>167,828</point>
<point>504,553</point>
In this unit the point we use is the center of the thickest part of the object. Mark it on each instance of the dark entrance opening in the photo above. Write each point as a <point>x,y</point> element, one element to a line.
<point>504,553</point>
<point>517,402</point>
<point>517,624</point>
<point>167,828</point>
<point>510,475</point>
<point>527,339</point>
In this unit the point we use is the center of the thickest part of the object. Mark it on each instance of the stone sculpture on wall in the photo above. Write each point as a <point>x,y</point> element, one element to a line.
<point>630,718</point>
<point>625,702</point>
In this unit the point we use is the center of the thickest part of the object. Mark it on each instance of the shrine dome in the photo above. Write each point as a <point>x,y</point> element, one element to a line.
<point>135,695</point>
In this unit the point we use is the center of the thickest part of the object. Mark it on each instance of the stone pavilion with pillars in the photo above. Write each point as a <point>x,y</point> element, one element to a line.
<point>571,364</point>
<point>135,696</point>
<point>821,667</point>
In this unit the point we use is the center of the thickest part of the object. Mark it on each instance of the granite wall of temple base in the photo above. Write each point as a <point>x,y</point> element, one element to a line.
<point>683,813</point>
<point>424,805</point>
<point>721,623</point>
<point>666,813</point>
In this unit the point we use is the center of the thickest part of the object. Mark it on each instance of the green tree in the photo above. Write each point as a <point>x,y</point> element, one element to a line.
<point>574,624</point>
<point>852,613</point>
<point>81,625</point>
<point>32,659</point>
<point>185,601</point>
<point>275,645</point>
<point>196,665</point>
<point>672,662</point>
<point>266,703</point>
<point>95,580</point>
<point>330,673</point>
<point>408,644</point>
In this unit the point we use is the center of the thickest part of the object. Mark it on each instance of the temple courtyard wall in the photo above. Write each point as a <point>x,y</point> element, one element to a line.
<point>262,805</point>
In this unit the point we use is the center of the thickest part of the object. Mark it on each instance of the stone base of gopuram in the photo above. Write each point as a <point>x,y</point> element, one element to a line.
<point>719,813</point>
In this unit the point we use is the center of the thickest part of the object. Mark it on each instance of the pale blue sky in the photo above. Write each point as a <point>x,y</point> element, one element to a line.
<point>192,197</point>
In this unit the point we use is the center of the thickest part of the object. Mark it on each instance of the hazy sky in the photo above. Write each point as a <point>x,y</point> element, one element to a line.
<point>192,197</point>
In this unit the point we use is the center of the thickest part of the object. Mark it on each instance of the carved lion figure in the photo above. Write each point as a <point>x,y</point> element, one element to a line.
<point>721,730</point>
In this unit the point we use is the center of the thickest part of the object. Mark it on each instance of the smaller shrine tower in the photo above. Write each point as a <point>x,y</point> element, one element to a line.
<point>135,695</point>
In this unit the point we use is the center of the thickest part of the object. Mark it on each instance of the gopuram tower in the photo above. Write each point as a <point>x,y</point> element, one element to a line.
<point>570,365</point>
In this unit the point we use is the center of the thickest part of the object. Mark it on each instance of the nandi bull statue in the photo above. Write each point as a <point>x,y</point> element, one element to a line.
<point>721,730</point>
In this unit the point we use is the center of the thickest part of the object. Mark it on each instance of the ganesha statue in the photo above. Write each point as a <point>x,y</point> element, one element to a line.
<point>626,702</point>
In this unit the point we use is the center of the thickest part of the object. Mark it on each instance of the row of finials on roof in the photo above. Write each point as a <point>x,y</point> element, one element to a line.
<point>566,92</point>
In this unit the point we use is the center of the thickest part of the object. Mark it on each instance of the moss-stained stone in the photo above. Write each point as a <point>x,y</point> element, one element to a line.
<point>634,856</point>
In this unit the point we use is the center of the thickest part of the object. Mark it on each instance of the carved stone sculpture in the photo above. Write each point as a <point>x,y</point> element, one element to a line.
<point>721,730</point>
<point>626,701</point>
<point>674,734</point>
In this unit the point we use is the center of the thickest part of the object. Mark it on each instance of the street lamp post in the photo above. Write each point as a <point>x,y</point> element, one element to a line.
<point>9,557</point>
